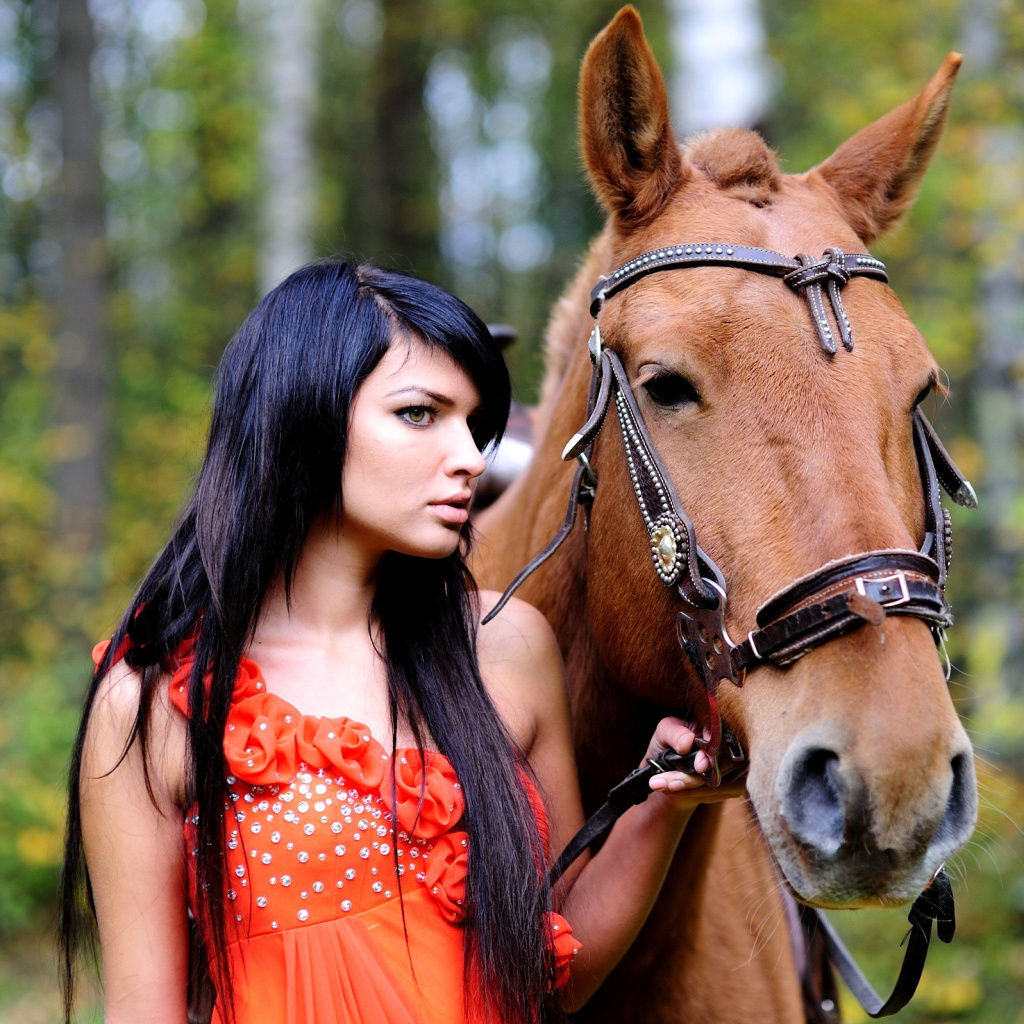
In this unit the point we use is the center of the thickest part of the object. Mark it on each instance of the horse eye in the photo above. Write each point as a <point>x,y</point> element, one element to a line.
<point>923,393</point>
<point>669,389</point>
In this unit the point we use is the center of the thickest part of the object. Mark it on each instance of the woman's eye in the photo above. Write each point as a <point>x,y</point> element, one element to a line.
<point>418,414</point>
<point>669,389</point>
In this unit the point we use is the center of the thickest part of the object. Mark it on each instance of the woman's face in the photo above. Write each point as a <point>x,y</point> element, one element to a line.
<point>411,462</point>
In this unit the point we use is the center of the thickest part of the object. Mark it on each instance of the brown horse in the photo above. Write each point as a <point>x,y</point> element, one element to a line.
<point>861,778</point>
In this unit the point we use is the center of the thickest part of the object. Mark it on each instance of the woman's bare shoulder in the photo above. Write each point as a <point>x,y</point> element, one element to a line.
<point>518,632</point>
<point>519,654</point>
<point>111,737</point>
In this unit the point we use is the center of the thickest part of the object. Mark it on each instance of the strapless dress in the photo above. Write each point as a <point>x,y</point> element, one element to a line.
<point>317,851</point>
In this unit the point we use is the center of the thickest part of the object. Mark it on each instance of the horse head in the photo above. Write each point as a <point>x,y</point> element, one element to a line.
<point>785,456</point>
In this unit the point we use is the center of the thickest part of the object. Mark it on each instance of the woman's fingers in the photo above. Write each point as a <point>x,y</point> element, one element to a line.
<point>675,782</point>
<point>675,734</point>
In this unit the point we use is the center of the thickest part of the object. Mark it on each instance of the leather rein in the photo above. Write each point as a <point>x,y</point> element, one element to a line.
<point>835,599</point>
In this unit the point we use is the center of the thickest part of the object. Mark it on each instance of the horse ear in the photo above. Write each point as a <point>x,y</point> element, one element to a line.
<point>878,171</point>
<point>627,139</point>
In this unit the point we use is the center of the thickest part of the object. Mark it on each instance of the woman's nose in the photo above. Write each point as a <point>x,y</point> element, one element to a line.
<point>466,458</point>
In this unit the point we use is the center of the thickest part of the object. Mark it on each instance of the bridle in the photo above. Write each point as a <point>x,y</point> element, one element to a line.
<point>835,599</point>
<point>829,602</point>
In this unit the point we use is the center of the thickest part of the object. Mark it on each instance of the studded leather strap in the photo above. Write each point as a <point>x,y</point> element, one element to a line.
<point>804,273</point>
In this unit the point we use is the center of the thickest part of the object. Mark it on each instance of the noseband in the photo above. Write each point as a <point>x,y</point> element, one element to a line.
<point>835,599</point>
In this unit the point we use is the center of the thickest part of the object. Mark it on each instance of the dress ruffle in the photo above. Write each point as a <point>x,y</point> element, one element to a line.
<point>266,739</point>
<point>564,945</point>
<point>445,876</point>
<point>429,797</point>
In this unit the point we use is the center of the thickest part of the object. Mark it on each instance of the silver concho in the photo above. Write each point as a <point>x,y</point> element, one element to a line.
<point>668,549</point>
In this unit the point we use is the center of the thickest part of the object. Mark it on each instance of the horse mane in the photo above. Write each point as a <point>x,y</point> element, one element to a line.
<point>735,159</point>
<point>570,323</point>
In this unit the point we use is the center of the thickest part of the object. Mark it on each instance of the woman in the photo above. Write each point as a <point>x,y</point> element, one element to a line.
<point>300,736</point>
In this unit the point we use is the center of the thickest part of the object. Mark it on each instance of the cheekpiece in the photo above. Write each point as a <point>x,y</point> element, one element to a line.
<point>669,542</point>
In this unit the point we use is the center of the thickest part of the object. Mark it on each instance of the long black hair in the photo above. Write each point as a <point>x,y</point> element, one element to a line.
<point>285,387</point>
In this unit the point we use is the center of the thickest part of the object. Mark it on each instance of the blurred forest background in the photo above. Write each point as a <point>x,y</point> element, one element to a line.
<point>164,162</point>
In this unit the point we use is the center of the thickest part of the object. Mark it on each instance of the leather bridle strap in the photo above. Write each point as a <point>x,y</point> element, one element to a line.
<point>577,496</point>
<point>803,272</point>
<point>633,789</point>
<point>934,904</point>
<point>838,598</point>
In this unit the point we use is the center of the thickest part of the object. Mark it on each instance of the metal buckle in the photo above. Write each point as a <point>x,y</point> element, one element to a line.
<point>721,596</point>
<point>862,582</point>
<point>753,646</point>
<point>588,471</point>
<point>733,745</point>
<point>596,343</point>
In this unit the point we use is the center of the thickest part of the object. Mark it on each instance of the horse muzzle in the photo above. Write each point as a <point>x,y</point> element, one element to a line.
<point>838,834</point>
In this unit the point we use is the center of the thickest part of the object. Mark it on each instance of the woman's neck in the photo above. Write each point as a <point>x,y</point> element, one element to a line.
<point>331,591</point>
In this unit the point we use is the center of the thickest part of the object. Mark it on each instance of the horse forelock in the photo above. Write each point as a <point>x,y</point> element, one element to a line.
<point>735,158</point>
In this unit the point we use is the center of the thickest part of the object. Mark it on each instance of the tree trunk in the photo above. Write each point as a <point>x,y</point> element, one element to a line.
<point>998,388</point>
<point>81,381</point>
<point>402,183</point>
<point>729,37</point>
<point>288,46</point>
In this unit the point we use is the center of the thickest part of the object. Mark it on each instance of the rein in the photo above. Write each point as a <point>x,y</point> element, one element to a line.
<point>835,599</point>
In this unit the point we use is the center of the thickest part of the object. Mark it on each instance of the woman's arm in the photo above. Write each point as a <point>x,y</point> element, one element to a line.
<point>135,852</point>
<point>607,897</point>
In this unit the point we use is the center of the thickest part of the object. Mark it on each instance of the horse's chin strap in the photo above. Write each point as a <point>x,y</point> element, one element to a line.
<point>935,904</point>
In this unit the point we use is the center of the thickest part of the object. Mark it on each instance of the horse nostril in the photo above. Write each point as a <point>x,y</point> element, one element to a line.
<point>961,808</point>
<point>814,804</point>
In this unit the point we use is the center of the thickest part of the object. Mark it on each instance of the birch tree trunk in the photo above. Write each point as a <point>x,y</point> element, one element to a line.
<point>727,38</point>
<point>289,61</point>
<point>998,379</point>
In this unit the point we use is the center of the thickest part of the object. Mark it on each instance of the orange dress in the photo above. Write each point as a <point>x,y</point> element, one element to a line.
<point>316,851</point>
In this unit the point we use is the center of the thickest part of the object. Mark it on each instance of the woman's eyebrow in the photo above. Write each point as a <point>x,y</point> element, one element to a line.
<point>440,399</point>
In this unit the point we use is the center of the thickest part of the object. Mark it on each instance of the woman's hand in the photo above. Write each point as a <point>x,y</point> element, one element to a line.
<point>675,734</point>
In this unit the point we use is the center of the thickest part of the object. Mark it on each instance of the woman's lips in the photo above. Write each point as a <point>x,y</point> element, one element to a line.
<point>455,514</point>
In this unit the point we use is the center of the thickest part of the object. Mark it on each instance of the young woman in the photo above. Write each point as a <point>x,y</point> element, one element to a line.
<point>300,739</point>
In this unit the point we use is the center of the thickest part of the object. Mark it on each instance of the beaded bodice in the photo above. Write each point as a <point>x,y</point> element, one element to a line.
<point>312,829</point>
